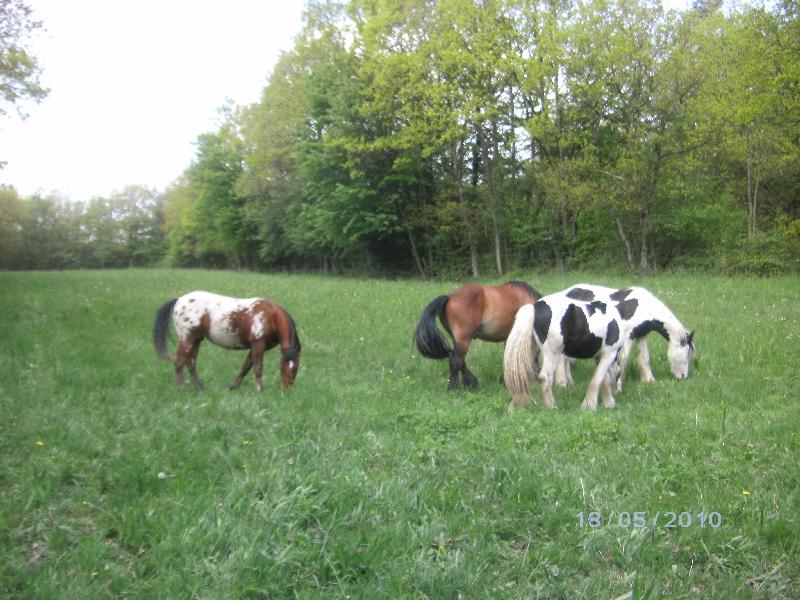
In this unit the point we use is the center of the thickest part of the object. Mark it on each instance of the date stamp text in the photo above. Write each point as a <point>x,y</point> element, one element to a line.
<point>640,520</point>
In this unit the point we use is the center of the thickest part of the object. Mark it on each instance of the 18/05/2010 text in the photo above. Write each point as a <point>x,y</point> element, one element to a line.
<point>639,520</point>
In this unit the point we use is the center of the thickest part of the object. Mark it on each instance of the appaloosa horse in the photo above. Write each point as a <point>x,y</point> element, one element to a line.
<point>254,324</point>
<point>472,311</point>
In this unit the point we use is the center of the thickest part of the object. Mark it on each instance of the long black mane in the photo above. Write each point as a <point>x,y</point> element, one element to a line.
<point>525,286</point>
<point>293,351</point>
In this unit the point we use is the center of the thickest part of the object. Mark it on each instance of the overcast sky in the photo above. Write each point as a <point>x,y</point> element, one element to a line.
<point>133,83</point>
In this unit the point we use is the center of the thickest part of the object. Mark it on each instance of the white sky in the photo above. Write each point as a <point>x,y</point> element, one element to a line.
<point>133,83</point>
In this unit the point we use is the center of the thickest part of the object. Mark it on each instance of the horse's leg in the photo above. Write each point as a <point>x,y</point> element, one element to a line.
<point>456,366</point>
<point>644,361</point>
<point>608,397</point>
<point>248,363</point>
<point>458,363</point>
<point>564,372</point>
<point>550,362</point>
<point>192,363</point>
<point>597,380</point>
<point>622,362</point>
<point>257,352</point>
<point>470,380</point>
<point>181,357</point>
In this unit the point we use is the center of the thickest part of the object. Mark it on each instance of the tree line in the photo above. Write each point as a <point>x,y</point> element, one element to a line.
<point>48,232</point>
<point>478,136</point>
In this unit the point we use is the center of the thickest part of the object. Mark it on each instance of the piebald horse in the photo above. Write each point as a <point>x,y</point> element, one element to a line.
<point>253,324</point>
<point>641,313</point>
<point>472,311</point>
<point>559,325</point>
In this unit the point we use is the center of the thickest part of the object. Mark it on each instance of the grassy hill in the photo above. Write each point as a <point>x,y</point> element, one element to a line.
<point>368,479</point>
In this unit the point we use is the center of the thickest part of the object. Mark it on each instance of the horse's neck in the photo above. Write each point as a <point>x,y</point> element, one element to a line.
<point>672,325</point>
<point>286,331</point>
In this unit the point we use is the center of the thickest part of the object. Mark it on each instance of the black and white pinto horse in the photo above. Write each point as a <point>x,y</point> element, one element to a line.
<point>641,313</point>
<point>560,325</point>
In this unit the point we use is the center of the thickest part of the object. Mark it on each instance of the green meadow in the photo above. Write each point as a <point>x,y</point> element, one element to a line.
<point>368,479</point>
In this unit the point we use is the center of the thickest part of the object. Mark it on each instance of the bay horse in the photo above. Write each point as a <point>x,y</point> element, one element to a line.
<point>558,325</point>
<point>253,324</point>
<point>472,311</point>
<point>641,314</point>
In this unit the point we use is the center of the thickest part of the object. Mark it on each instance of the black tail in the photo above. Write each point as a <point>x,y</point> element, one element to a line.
<point>428,337</point>
<point>160,329</point>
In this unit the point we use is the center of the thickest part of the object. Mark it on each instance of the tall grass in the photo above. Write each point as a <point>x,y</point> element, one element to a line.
<point>368,479</point>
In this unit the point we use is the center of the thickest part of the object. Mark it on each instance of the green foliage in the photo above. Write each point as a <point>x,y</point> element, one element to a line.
<point>207,221</point>
<point>19,69</point>
<point>368,479</point>
<point>544,133</point>
<point>124,230</point>
<point>460,137</point>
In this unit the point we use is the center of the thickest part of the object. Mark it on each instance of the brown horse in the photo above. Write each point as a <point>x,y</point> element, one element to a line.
<point>473,311</point>
<point>256,324</point>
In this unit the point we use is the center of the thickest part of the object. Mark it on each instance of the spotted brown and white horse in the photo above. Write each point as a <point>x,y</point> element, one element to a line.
<point>641,313</point>
<point>253,324</point>
<point>485,312</point>
<point>558,325</point>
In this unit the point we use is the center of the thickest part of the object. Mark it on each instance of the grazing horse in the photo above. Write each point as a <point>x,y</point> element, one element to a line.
<point>556,325</point>
<point>255,324</point>
<point>473,311</point>
<point>641,313</point>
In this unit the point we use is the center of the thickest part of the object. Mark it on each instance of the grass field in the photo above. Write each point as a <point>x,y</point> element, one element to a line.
<point>368,479</point>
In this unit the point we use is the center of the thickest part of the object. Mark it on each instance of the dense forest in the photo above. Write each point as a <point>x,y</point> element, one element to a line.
<point>473,137</point>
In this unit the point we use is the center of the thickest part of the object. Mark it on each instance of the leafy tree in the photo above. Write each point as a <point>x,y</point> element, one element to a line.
<point>208,223</point>
<point>459,134</point>
<point>19,69</point>
<point>12,213</point>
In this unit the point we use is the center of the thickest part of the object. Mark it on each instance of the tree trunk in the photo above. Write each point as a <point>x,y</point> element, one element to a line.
<point>752,199</point>
<point>473,249</point>
<point>627,242</point>
<point>414,251</point>
<point>644,258</point>
<point>488,168</point>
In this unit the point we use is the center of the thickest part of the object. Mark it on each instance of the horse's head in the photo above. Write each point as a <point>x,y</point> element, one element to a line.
<point>680,354</point>
<point>290,364</point>
<point>290,357</point>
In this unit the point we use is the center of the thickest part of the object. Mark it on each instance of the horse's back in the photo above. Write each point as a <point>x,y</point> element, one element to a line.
<point>579,326</point>
<point>496,306</point>
<point>207,300</point>
<point>223,320</point>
